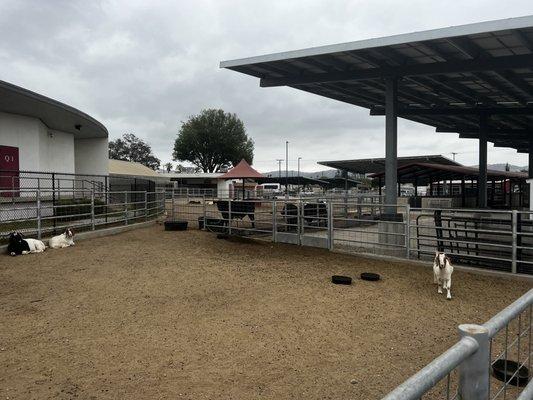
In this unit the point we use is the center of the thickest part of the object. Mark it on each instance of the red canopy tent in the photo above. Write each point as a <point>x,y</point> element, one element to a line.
<point>243,171</point>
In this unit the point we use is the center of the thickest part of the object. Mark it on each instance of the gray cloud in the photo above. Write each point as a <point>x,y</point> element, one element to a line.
<point>143,67</point>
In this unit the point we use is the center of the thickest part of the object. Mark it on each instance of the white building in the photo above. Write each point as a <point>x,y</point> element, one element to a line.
<point>39,134</point>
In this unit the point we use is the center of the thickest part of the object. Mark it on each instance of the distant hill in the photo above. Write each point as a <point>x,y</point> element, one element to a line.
<point>501,167</point>
<point>329,173</point>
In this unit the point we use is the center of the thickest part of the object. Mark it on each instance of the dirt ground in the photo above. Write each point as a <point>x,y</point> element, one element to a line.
<point>150,314</point>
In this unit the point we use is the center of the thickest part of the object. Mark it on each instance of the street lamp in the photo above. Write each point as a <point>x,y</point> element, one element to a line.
<point>299,158</point>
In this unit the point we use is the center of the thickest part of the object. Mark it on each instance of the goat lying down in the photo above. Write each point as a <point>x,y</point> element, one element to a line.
<point>66,239</point>
<point>18,245</point>
<point>442,273</point>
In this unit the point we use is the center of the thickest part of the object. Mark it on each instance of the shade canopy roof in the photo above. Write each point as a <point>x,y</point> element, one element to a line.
<point>374,165</point>
<point>449,78</point>
<point>425,173</point>
<point>242,170</point>
<point>54,114</point>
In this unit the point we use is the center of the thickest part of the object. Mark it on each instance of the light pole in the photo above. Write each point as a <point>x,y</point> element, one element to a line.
<point>279,160</point>
<point>287,169</point>
<point>299,158</point>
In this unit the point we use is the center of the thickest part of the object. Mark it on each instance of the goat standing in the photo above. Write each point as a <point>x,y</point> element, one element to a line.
<point>442,273</point>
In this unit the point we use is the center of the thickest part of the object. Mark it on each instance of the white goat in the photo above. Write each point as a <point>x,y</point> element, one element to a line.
<point>442,273</point>
<point>66,239</point>
<point>36,246</point>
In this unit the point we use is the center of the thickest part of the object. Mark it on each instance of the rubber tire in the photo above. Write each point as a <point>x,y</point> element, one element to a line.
<point>370,276</point>
<point>176,225</point>
<point>498,370</point>
<point>341,280</point>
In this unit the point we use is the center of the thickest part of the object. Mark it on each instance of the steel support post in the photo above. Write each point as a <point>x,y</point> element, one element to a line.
<point>474,372</point>
<point>482,177</point>
<point>330,225</point>
<point>391,143</point>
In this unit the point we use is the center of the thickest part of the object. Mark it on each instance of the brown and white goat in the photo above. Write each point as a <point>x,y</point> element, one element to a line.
<point>442,273</point>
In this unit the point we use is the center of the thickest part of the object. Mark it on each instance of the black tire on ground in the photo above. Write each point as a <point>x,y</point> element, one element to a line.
<point>499,372</point>
<point>341,280</point>
<point>176,225</point>
<point>370,276</point>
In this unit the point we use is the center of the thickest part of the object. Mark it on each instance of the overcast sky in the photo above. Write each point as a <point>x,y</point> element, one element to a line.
<point>142,67</point>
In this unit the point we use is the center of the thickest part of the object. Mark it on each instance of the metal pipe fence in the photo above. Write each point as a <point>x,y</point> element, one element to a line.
<point>489,239</point>
<point>45,212</point>
<point>488,361</point>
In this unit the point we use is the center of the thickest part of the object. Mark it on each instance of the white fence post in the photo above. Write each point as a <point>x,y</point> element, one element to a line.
<point>92,210</point>
<point>514,225</point>
<point>39,233</point>
<point>474,372</point>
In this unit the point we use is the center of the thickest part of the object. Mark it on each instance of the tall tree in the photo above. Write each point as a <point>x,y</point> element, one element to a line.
<point>213,140</point>
<point>168,166</point>
<point>131,148</point>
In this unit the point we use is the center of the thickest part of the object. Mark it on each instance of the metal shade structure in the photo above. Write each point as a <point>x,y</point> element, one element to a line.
<point>475,80</point>
<point>375,165</point>
<point>425,173</point>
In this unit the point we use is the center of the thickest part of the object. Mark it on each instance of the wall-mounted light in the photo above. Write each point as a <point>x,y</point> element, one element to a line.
<point>77,126</point>
<point>50,134</point>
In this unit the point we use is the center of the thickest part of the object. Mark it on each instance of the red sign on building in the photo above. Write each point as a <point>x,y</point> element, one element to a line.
<point>9,171</point>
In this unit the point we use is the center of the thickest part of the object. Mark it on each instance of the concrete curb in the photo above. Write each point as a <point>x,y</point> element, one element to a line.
<point>115,230</point>
<point>462,268</point>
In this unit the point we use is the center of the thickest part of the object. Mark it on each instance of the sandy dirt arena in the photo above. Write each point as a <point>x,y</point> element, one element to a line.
<point>150,314</point>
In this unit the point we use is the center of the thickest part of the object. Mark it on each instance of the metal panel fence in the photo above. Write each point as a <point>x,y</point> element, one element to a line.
<point>488,362</point>
<point>38,213</point>
<point>490,239</point>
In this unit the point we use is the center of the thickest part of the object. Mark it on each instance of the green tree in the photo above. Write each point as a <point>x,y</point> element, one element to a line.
<point>213,140</point>
<point>131,148</point>
<point>168,166</point>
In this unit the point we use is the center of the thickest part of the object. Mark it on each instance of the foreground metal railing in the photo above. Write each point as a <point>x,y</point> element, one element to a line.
<point>46,212</point>
<point>476,356</point>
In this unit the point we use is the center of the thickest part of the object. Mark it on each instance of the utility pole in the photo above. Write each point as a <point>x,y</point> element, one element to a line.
<point>287,169</point>
<point>299,158</point>
<point>279,160</point>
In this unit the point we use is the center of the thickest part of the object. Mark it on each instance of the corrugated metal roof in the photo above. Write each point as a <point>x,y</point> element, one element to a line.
<point>427,172</point>
<point>130,168</point>
<point>448,77</point>
<point>374,165</point>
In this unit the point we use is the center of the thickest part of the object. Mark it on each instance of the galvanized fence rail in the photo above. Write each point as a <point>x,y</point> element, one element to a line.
<point>487,239</point>
<point>45,212</point>
<point>480,350</point>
